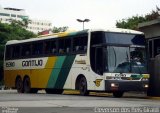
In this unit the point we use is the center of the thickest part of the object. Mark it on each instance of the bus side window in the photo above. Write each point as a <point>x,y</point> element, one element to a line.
<point>53,47</point>
<point>67,45</point>
<point>84,40</point>
<point>16,51</point>
<point>47,47</point>
<point>37,48</point>
<point>80,43</point>
<point>8,52</point>
<point>53,50</point>
<point>76,46</point>
<point>61,45</point>
<point>26,50</point>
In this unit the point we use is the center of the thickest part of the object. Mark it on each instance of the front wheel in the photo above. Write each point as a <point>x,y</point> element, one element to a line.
<point>83,87</point>
<point>118,94</point>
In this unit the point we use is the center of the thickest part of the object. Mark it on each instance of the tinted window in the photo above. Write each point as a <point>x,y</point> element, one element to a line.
<point>8,53</point>
<point>16,51</point>
<point>80,44</point>
<point>37,48</point>
<point>118,38</point>
<point>26,50</point>
<point>67,47</point>
<point>97,38</point>
<point>61,46</point>
<point>50,47</point>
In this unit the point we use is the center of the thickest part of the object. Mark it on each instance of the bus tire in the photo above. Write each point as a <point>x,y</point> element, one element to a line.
<point>83,87</point>
<point>27,85</point>
<point>19,85</point>
<point>118,94</point>
<point>54,91</point>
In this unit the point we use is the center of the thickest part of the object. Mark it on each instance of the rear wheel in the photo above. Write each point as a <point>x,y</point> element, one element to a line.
<point>83,87</point>
<point>27,85</point>
<point>19,85</point>
<point>54,91</point>
<point>118,94</point>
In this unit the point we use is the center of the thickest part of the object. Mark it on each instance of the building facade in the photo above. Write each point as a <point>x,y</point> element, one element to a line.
<point>151,30</point>
<point>36,26</point>
<point>6,14</point>
<point>152,34</point>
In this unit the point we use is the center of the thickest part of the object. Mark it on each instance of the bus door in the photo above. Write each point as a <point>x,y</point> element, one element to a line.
<point>99,68</point>
<point>99,60</point>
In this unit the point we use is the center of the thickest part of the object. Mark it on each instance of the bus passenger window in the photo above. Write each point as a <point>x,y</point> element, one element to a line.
<point>46,47</point>
<point>67,45</point>
<point>54,50</point>
<point>26,50</point>
<point>77,48</point>
<point>80,44</point>
<point>16,51</point>
<point>61,45</point>
<point>8,52</point>
<point>61,51</point>
<point>68,50</point>
<point>37,48</point>
<point>53,47</point>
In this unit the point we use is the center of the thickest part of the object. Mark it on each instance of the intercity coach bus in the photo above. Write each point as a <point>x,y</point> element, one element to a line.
<point>112,60</point>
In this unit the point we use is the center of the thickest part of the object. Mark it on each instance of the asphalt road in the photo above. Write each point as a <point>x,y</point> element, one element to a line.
<point>12,102</point>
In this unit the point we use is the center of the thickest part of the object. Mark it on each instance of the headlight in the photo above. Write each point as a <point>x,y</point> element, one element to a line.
<point>146,85</point>
<point>114,84</point>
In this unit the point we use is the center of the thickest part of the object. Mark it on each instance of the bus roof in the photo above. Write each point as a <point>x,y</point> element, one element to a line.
<point>55,35</point>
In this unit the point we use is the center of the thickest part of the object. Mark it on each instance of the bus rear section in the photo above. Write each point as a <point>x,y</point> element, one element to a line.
<point>44,63</point>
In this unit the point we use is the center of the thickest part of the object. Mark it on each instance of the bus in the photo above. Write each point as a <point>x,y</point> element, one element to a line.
<point>101,60</point>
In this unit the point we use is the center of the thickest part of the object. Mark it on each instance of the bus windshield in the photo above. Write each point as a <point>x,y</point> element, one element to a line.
<point>125,59</point>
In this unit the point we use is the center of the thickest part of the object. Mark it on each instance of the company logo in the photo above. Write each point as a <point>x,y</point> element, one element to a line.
<point>30,63</point>
<point>98,82</point>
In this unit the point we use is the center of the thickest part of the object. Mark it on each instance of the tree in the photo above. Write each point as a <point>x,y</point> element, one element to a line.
<point>132,22</point>
<point>23,23</point>
<point>59,29</point>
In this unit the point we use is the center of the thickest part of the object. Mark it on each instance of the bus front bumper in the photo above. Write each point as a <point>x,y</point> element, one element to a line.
<point>122,85</point>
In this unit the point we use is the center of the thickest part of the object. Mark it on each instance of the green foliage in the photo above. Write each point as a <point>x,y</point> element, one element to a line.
<point>13,31</point>
<point>24,23</point>
<point>132,22</point>
<point>59,29</point>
